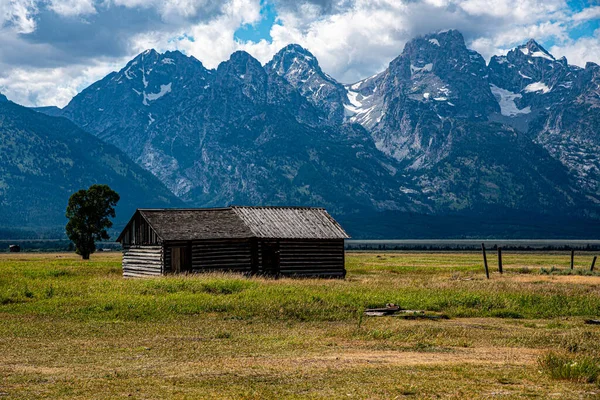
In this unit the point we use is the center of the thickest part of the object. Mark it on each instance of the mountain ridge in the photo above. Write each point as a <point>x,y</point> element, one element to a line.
<point>439,132</point>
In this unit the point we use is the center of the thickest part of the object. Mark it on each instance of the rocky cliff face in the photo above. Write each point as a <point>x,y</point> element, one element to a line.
<point>236,135</point>
<point>302,71</point>
<point>437,132</point>
<point>561,104</point>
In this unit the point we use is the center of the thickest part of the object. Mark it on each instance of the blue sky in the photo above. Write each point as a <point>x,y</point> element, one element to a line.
<point>52,49</point>
<point>261,30</point>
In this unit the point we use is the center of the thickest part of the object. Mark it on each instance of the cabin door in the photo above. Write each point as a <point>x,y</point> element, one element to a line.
<point>270,258</point>
<point>179,259</point>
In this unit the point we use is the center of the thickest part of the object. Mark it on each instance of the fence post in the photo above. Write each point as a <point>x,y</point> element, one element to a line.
<point>572,257</point>
<point>593,263</point>
<point>500,259</point>
<point>485,264</point>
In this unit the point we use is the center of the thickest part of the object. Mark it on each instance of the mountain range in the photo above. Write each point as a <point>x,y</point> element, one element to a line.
<point>440,135</point>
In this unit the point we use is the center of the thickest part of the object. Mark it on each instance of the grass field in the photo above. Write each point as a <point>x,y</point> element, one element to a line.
<point>73,329</point>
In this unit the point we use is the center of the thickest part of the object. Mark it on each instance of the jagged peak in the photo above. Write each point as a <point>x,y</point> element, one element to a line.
<point>291,53</point>
<point>3,98</point>
<point>441,39</point>
<point>296,48</point>
<point>534,49</point>
<point>147,54</point>
<point>591,65</point>
<point>447,36</point>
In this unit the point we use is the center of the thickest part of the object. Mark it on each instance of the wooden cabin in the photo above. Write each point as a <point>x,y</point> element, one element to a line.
<point>274,241</point>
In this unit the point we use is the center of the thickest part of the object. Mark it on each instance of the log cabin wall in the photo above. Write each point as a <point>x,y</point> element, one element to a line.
<point>309,258</point>
<point>142,261</point>
<point>214,255</point>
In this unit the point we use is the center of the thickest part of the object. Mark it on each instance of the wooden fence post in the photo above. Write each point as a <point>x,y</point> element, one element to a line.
<point>485,264</point>
<point>593,263</point>
<point>572,257</point>
<point>500,259</point>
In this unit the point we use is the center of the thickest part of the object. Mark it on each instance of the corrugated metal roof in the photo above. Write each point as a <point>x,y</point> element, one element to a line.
<point>291,223</point>
<point>243,222</point>
<point>196,224</point>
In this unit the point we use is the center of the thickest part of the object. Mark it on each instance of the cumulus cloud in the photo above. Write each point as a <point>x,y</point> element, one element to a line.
<point>70,8</point>
<point>51,49</point>
<point>579,52</point>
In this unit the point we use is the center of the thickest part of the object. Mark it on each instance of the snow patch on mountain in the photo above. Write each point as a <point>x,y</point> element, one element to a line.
<point>434,41</point>
<point>542,55</point>
<point>537,87</point>
<point>425,68</point>
<point>164,89</point>
<point>524,76</point>
<point>506,100</point>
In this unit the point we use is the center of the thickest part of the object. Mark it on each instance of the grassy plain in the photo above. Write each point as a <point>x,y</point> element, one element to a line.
<point>73,329</point>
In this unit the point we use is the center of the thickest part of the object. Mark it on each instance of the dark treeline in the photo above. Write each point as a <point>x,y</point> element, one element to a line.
<point>465,247</point>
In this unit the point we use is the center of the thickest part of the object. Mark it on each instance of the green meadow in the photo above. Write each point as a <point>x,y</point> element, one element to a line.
<point>75,329</point>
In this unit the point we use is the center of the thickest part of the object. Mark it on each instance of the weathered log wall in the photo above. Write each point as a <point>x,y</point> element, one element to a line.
<point>215,255</point>
<point>142,261</point>
<point>310,258</point>
<point>307,258</point>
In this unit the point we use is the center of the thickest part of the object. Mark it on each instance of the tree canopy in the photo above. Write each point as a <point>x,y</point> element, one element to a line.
<point>89,212</point>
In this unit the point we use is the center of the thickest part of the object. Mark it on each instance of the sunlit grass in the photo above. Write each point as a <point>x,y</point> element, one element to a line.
<point>69,328</point>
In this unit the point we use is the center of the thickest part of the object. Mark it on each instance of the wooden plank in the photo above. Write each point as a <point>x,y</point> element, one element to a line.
<point>142,271</point>
<point>221,256</point>
<point>132,275</point>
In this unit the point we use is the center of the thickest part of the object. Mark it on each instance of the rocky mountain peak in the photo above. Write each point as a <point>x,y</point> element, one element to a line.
<point>300,68</point>
<point>3,98</point>
<point>451,38</point>
<point>535,50</point>
<point>294,59</point>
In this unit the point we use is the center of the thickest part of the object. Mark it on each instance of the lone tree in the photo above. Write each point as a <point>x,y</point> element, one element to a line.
<point>88,213</point>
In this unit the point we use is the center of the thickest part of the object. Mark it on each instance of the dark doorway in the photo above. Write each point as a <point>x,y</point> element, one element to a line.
<point>180,259</point>
<point>270,256</point>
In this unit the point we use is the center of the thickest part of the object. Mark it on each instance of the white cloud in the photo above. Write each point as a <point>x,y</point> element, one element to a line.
<point>580,51</point>
<point>587,14</point>
<point>351,39</point>
<point>51,86</point>
<point>18,15</point>
<point>70,8</point>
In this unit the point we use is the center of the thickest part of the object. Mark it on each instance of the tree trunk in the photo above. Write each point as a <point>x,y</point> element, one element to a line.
<point>85,256</point>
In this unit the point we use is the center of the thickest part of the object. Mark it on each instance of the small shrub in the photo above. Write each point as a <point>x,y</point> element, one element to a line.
<point>577,369</point>
<point>550,271</point>
<point>28,293</point>
<point>223,335</point>
<point>50,292</point>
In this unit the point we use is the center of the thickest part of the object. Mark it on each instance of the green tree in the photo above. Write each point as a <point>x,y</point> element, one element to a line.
<point>88,212</point>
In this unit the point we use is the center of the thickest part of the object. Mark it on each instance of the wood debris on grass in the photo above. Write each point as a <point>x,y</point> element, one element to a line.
<point>395,311</point>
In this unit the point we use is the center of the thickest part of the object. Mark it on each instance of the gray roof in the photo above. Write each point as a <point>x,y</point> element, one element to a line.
<point>290,222</point>
<point>243,222</point>
<point>196,224</point>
